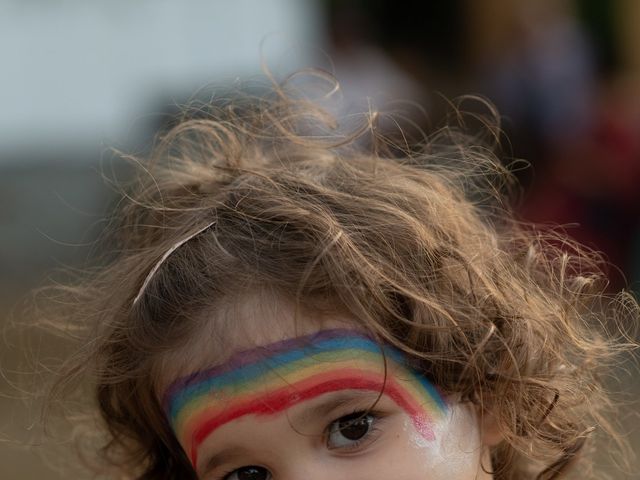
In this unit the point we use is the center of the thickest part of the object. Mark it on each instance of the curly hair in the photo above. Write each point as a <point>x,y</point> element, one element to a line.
<point>417,242</point>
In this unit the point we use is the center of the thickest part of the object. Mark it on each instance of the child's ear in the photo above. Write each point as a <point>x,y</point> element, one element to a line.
<point>489,428</point>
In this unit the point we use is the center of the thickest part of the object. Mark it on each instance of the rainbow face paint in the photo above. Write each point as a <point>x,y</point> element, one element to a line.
<point>268,380</point>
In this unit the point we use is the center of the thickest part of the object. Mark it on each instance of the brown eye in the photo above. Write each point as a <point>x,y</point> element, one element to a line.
<point>347,431</point>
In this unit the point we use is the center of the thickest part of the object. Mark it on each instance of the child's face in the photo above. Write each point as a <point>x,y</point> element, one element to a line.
<point>321,405</point>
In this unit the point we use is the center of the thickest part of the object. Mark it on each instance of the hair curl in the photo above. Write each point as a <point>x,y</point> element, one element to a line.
<point>418,243</point>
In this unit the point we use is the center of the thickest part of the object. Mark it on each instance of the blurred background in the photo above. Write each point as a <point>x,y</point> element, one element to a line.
<point>79,77</point>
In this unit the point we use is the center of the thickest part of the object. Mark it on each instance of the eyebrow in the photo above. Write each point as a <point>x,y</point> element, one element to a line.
<point>333,402</point>
<point>337,401</point>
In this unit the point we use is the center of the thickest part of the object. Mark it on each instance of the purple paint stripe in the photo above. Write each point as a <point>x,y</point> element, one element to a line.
<point>254,355</point>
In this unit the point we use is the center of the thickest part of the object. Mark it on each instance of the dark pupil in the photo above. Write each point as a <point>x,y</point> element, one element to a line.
<point>252,473</point>
<point>355,426</point>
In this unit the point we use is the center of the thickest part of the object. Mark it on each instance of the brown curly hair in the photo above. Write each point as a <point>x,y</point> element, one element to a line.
<point>417,242</point>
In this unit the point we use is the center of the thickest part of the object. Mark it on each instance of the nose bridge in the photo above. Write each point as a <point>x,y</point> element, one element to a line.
<point>304,467</point>
<point>315,467</point>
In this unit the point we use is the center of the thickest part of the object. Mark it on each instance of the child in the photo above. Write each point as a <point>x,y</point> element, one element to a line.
<point>288,302</point>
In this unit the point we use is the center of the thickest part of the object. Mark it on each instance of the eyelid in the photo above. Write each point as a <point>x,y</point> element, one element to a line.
<point>222,462</point>
<point>353,410</point>
<point>364,403</point>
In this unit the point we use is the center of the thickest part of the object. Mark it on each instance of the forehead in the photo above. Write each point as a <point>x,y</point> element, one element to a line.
<point>246,322</point>
<point>273,378</point>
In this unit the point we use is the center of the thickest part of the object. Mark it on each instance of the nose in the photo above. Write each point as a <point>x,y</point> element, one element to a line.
<point>319,469</point>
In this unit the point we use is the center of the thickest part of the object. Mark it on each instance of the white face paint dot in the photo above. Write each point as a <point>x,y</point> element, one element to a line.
<point>456,452</point>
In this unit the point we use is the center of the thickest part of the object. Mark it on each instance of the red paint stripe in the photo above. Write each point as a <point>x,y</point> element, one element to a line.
<point>284,398</point>
<point>284,384</point>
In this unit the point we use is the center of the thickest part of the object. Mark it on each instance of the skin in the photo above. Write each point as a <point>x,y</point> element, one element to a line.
<point>284,423</point>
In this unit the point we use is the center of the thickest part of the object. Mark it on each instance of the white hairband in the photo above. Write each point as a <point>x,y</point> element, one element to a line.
<point>166,255</point>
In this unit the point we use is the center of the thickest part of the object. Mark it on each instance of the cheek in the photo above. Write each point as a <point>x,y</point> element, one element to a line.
<point>456,452</point>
